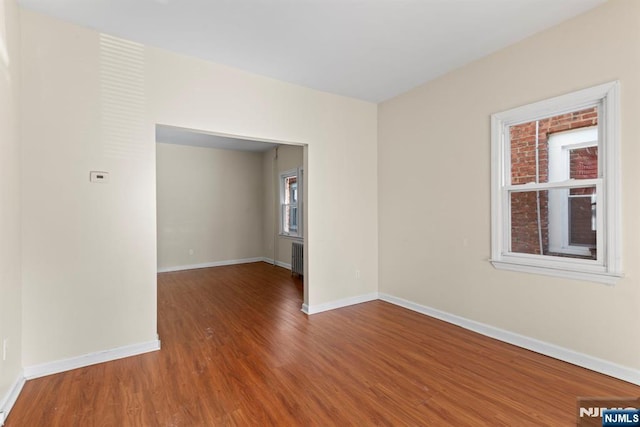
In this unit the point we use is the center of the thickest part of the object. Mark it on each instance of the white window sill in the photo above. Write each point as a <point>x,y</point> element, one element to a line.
<point>566,273</point>
<point>292,237</point>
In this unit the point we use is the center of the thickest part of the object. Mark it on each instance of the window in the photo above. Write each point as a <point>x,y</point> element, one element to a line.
<point>555,186</point>
<point>291,203</point>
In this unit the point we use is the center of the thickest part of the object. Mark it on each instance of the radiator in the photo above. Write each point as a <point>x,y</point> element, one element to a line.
<point>297,258</point>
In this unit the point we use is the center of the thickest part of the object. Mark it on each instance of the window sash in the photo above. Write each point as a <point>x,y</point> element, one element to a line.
<point>287,226</point>
<point>570,183</point>
<point>600,232</point>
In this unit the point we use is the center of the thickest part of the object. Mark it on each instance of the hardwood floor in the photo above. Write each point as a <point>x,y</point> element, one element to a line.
<point>236,350</point>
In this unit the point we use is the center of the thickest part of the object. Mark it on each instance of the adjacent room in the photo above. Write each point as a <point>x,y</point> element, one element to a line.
<point>317,213</point>
<point>223,200</point>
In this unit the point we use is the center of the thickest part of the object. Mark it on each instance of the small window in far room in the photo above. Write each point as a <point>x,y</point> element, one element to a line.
<point>290,203</point>
<point>555,186</point>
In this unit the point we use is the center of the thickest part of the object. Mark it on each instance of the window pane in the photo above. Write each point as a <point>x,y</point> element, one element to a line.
<point>291,189</point>
<point>558,222</point>
<point>290,219</point>
<point>534,159</point>
<point>526,236</point>
<point>293,219</point>
<point>582,217</point>
<point>583,163</point>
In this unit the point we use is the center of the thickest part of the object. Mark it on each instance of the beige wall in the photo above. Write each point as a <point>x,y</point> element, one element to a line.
<point>434,183</point>
<point>289,157</point>
<point>10,255</point>
<point>89,257</point>
<point>209,205</point>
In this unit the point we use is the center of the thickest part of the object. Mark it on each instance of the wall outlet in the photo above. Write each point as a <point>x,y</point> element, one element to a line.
<point>357,274</point>
<point>4,349</point>
<point>191,252</point>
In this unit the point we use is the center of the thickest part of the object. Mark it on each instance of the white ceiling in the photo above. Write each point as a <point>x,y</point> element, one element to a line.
<point>180,136</point>
<point>367,49</point>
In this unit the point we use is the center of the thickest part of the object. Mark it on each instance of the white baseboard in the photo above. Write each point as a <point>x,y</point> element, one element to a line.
<point>580,359</point>
<point>278,263</point>
<point>210,264</point>
<point>332,305</point>
<point>223,263</point>
<point>31,372</point>
<point>10,398</point>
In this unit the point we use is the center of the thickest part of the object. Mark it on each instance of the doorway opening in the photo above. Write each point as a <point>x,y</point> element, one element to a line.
<point>226,199</point>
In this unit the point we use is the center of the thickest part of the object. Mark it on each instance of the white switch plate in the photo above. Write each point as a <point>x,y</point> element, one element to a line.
<point>97,176</point>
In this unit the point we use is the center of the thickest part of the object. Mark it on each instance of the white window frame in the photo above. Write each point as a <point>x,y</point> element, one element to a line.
<point>298,173</point>
<point>560,145</point>
<point>607,268</point>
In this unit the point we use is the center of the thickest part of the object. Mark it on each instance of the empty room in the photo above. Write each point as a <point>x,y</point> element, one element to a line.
<point>319,213</point>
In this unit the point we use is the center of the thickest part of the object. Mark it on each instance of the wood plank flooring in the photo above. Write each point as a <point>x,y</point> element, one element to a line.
<point>236,350</point>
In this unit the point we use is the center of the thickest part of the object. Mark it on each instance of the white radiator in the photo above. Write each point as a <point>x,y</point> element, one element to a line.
<point>297,258</point>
